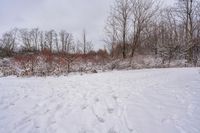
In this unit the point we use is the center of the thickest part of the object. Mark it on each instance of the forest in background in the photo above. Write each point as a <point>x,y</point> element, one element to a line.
<point>138,34</point>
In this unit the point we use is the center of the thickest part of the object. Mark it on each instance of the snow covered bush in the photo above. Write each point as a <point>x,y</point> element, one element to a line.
<point>47,64</point>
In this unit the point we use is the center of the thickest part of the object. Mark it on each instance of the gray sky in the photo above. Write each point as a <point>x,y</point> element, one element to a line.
<point>71,15</point>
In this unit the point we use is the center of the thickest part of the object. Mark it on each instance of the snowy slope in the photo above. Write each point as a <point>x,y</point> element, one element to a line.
<point>141,101</point>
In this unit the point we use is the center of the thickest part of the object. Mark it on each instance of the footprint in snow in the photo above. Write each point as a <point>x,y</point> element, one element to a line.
<point>12,104</point>
<point>52,122</point>
<point>96,99</point>
<point>26,96</point>
<point>110,110</point>
<point>83,107</point>
<point>114,97</point>
<point>101,120</point>
<point>5,107</point>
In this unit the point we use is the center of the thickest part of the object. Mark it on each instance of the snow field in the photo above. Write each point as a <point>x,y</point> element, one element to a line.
<point>140,101</point>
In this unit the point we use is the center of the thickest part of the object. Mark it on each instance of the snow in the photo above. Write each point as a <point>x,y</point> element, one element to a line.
<point>140,101</point>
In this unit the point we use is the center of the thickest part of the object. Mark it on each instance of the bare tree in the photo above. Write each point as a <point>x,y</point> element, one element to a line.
<point>49,40</point>
<point>84,42</point>
<point>170,45</point>
<point>122,15</point>
<point>142,13</point>
<point>85,45</point>
<point>26,39</point>
<point>34,33</point>
<point>66,41</point>
<point>8,41</point>
<point>111,33</point>
<point>41,40</point>
<point>187,12</point>
<point>56,42</point>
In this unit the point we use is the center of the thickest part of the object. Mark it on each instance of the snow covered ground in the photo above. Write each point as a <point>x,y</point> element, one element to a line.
<point>140,101</point>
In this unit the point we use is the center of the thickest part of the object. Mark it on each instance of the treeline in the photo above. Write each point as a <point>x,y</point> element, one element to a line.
<point>44,53</point>
<point>35,40</point>
<point>134,27</point>
<point>146,27</point>
<point>33,52</point>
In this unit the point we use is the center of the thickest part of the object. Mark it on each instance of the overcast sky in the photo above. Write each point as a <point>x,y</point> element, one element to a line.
<point>71,15</point>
